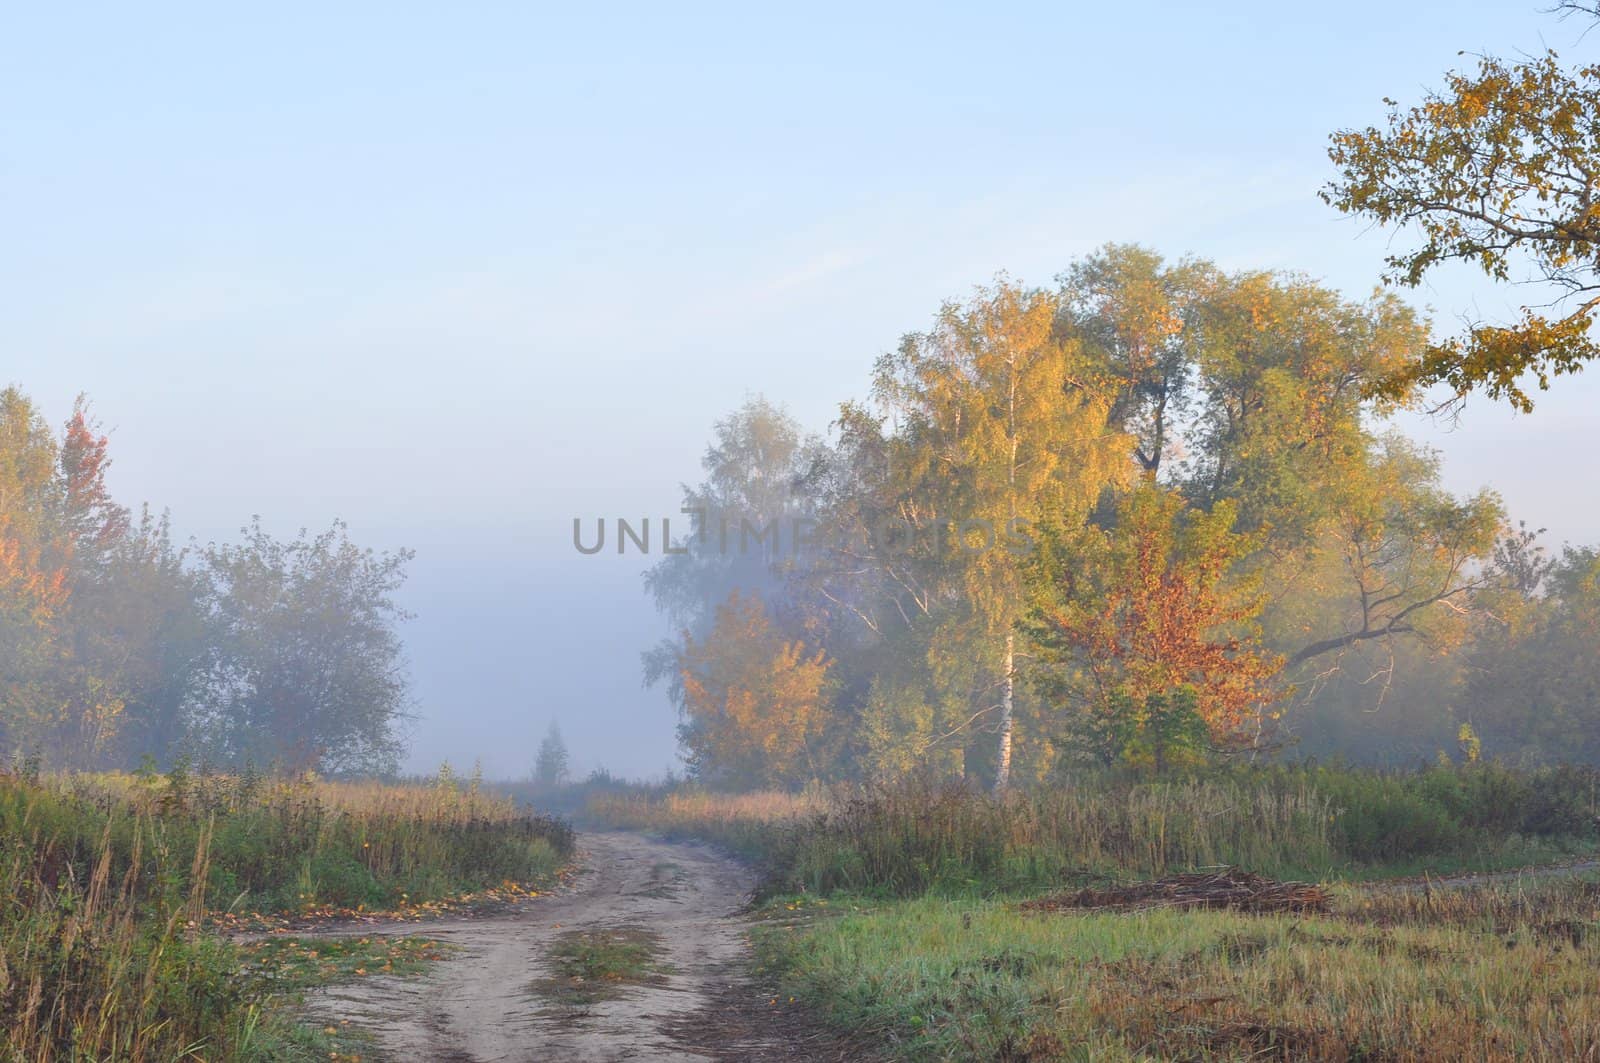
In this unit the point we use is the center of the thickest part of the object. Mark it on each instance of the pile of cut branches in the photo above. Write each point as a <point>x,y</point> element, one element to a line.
<point>1226,888</point>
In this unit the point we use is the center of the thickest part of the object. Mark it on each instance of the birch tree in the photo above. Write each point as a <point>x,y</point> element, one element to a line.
<point>1000,426</point>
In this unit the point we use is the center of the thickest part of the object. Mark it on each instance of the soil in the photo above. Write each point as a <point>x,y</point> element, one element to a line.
<point>491,1001</point>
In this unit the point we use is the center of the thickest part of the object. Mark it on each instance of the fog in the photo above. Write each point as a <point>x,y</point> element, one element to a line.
<point>462,280</point>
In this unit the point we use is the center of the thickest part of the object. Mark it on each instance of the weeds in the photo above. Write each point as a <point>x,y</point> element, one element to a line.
<point>110,883</point>
<point>915,837</point>
<point>292,845</point>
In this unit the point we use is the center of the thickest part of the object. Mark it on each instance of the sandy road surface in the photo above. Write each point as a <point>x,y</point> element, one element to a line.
<point>482,1005</point>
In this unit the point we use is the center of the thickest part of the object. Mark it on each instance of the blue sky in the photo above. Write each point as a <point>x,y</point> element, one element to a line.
<point>460,273</point>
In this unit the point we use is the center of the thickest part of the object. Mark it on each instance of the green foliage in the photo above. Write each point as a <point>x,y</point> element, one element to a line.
<point>1532,689</point>
<point>306,671</point>
<point>1164,731</point>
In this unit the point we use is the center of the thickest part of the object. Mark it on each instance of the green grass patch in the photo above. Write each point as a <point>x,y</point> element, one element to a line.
<point>593,965</point>
<point>1497,972</point>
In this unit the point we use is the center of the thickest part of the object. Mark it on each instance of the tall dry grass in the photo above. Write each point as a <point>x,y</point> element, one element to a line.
<point>298,843</point>
<point>914,836</point>
<point>108,883</point>
<point>106,961</point>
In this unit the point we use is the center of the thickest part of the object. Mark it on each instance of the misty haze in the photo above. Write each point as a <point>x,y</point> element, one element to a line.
<point>898,534</point>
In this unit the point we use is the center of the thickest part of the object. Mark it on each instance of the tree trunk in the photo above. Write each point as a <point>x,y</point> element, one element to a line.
<point>1002,774</point>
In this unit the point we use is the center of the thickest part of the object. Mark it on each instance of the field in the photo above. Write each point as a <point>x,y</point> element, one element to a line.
<point>919,921</point>
<point>117,887</point>
<point>899,915</point>
<point>1504,971</point>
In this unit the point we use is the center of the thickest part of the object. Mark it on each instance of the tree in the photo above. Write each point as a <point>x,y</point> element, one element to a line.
<point>134,620</point>
<point>1499,170</point>
<point>1403,557</point>
<point>92,522</point>
<point>755,702</point>
<point>1165,730</point>
<point>1161,602</point>
<point>145,623</point>
<point>306,671</point>
<point>550,768</point>
<point>33,592</point>
<point>1001,427</point>
<point>1280,412</point>
<point>1133,316</point>
<point>741,527</point>
<point>1532,689</point>
<point>52,495</point>
<point>32,598</point>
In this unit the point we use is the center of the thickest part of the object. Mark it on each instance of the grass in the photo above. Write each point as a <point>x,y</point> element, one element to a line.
<point>111,884</point>
<point>291,963</point>
<point>1326,823</point>
<point>1497,972</point>
<point>900,921</point>
<point>588,966</point>
<point>298,844</point>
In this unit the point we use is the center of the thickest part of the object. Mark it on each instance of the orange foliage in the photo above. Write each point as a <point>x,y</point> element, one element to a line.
<point>1159,606</point>
<point>754,699</point>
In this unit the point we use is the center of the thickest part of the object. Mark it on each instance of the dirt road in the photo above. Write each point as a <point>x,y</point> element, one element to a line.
<point>489,1003</point>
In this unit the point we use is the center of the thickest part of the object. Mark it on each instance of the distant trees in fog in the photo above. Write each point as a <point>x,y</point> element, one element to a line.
<point>116,644</point>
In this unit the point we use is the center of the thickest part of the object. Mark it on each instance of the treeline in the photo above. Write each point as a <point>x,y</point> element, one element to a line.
<point>118,645</point>
<point>1151,516</point>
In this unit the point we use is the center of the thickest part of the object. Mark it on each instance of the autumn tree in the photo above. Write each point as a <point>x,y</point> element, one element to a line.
<point>1279,410</point>
<point>33,592</point>
<point>1162,601</point>
<point>742,528</point>
<point>1497,170</point>
<point>92,523</point>
<point>32,598</point>
<point>56,522</point>
<point>1234,410</point>
<point>998,428</point>
<point>756,710</point>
